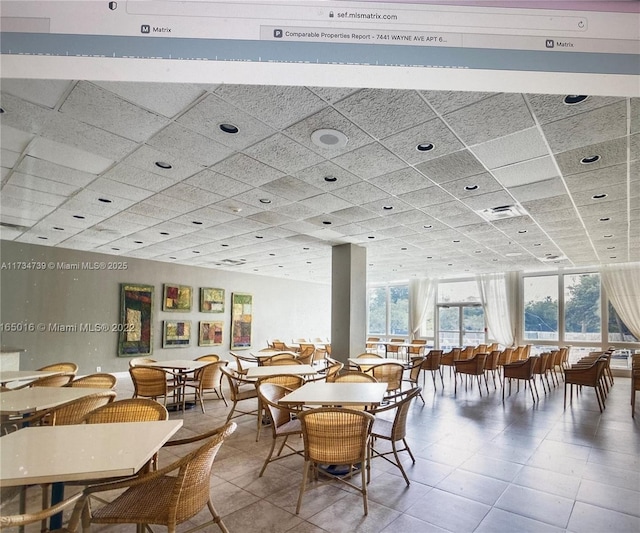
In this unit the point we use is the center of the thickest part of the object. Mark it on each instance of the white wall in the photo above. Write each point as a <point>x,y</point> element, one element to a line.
<point>281,308</point>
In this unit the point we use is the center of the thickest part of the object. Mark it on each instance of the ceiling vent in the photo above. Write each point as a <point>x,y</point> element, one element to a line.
<point>231,262</point>
<point>552,258</point>
<point>502,212</point>
<point>329,139</point>
<point>14,226</point>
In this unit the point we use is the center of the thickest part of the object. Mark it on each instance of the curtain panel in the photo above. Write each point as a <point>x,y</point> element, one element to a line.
<point>422,293</point>
<point>498,297</point>
<point>622,285</point>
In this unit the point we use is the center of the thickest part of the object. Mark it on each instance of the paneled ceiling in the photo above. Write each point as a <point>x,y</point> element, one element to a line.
<point>145,170</point>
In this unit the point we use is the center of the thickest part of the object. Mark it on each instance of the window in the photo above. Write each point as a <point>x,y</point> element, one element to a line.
<point>460,317</point>
<point>541,308</point>
<point>582,317</point>
<point>458,291</point>
<point>389,310</point>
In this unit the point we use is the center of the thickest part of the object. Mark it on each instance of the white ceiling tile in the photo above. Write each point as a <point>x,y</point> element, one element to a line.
<point>14,139</point>
<point>316,174</point>
<point>611,153</point>
<point>282,153</point>
<point>360,193</point>
<point>489,200</point>
<point>538,190</point>
<point>68,156</point>
<point>218,183</point>
<point>22,115</point>
<point>178,141</point>
<point>551,107</point>
<point>52,171</point>
<point>138,177</point>
<point>193,195</point>
<point>146,157</point>
<point>42,92</point>
<point>369,161</point>
<point>40,184</point>
<point>447,101</point>
<point>290,188</point>
<point>111,188</point>
<point>9,158</point>
<point>32,196</point>
<point>472,186</point>
<point>167,99</point>
<point>247,170</point>
<point>93,105</point>
<point>532,171</point>
<point>451,167</point>
<point>517,147</point>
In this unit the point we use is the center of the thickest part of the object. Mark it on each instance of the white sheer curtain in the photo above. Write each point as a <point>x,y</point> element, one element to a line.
<point>497,294</point>
<point>622,285</point>
<point>422,293</point>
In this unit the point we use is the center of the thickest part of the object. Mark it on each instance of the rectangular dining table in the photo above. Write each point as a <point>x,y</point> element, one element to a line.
<point>32,399</point>
<point>55,454</point>
<point>343,394</point>
<point>180,369</point>
<point>295,370</point>
<point>10,376</point>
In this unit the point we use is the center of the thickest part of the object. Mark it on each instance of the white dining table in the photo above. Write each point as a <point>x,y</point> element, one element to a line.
<point>32,399</point>
<point>295,370</point>
<point>343,394</point>
<point>10,376</point>
<point>48,454</point>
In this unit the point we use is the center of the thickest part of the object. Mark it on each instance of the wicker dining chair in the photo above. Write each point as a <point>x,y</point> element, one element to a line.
<point>588,376</point>
<point>449,358</point>
<point>73,412</point>
<point>333,370</point>
<point>307,353</point>
<point>394,430</point>
<point>415,369</point>
<point>55,380</point>
<point>335,437</point>
<point>208,379</point>
<point>389,373</point>
<point>128,410</point>
<point>432,363</point>
<point>243,362</point>
<point>355,376</point>
<point>167,497</point>
<point>288,381</point>
<point>471,367</point>
<point>101,380</point>
<point>521,371</point>
<point>135,361</point>
<point>240,389</point>
<point>21,520</point>
<point>491,367</point>
<point>149,382</point>
<point>61,367</point>
<point>280,358</point>
<point>284,423</point>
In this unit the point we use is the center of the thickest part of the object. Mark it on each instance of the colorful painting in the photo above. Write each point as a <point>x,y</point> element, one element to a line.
<point>176,298</point>
<point>210,333</point>
<point>177,334</point>
<point>241,318</point>
<point>135,328</point>
<point>211,300</point>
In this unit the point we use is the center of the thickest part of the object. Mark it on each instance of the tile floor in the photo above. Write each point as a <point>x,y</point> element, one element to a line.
<point>481,466</point>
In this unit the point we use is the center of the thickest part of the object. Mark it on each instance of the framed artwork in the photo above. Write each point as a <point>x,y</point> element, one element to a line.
<point>241,318</point>
<point>211,300</point>
<point>210,333</point>
<point>135,328</point>
<point>177,334</point>
<point>176,298</point>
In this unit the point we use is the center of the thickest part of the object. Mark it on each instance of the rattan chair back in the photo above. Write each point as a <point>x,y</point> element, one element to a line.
<point>355,376</point>
<point>56,380</point>
<point>333,370</point>
<point>100,380</point>
<point>212,357</point>
<point>13,521</point>
<point>71,368</point>
<point>140,361</point>
<point>74,412</point>
<point>128,410</point>
<point>389,373</point>
<point>149,382</point>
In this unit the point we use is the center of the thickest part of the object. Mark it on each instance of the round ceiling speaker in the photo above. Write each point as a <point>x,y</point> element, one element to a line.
<point>329,139</point>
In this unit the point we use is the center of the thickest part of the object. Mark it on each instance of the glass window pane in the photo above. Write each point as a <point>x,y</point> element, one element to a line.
<point>582,307</point>
<point>473,325</point>
<point>541,307</point>
<point>449,333</point>
<point>618,330</point>
<point>378,311</point>
<point>399,310</point>
<point>458,291</point>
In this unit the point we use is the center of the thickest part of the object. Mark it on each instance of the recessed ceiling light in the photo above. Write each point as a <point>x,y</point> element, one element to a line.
<point>611,247</point>
<point>259,237</point>
<point>330,179</point>
<point>522,231</point>
<point>116,249</point>
<point>599,196</point>
<point>425,147</point>
<point>427,226</point>
<point>272,255</point>
<point>613,256</point>
<point>429,257</point>
<point>477,251</point>
<point>327,222</point>
<point>456,240</point>
<point>1,110</point>
<point>78,216</point>
<point>224,245</point>
<point>403,248</point>
<point>605,219</point>
<point>471,188</point>
<point>494,260</point>
<point>57,228</point>
<point>329,139</point>
<point>308,262</point>
<point>104,200</point>
<point>607,236</point>
<point>163,165</point>
<point>537,244</point>
<point>138,242</point>
<point>171,257</point>
<point>370,237</point>
<point>573,99</point>
<point>164,233</point>
<point>450,264</point>
<point>590,159</point>
<point>387,207</point>
<point>196,251</point>
<point>228,128</point>
<point>305,248</point>
<point>265,201</point>
<point>43,238</point>
<point>280,266</point>
<point>196,222</point>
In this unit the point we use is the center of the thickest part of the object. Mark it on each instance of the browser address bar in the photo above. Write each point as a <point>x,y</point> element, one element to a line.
<point>346,13</point>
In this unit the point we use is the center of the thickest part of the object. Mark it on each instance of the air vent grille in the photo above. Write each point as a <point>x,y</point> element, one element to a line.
<point>501,212</point>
